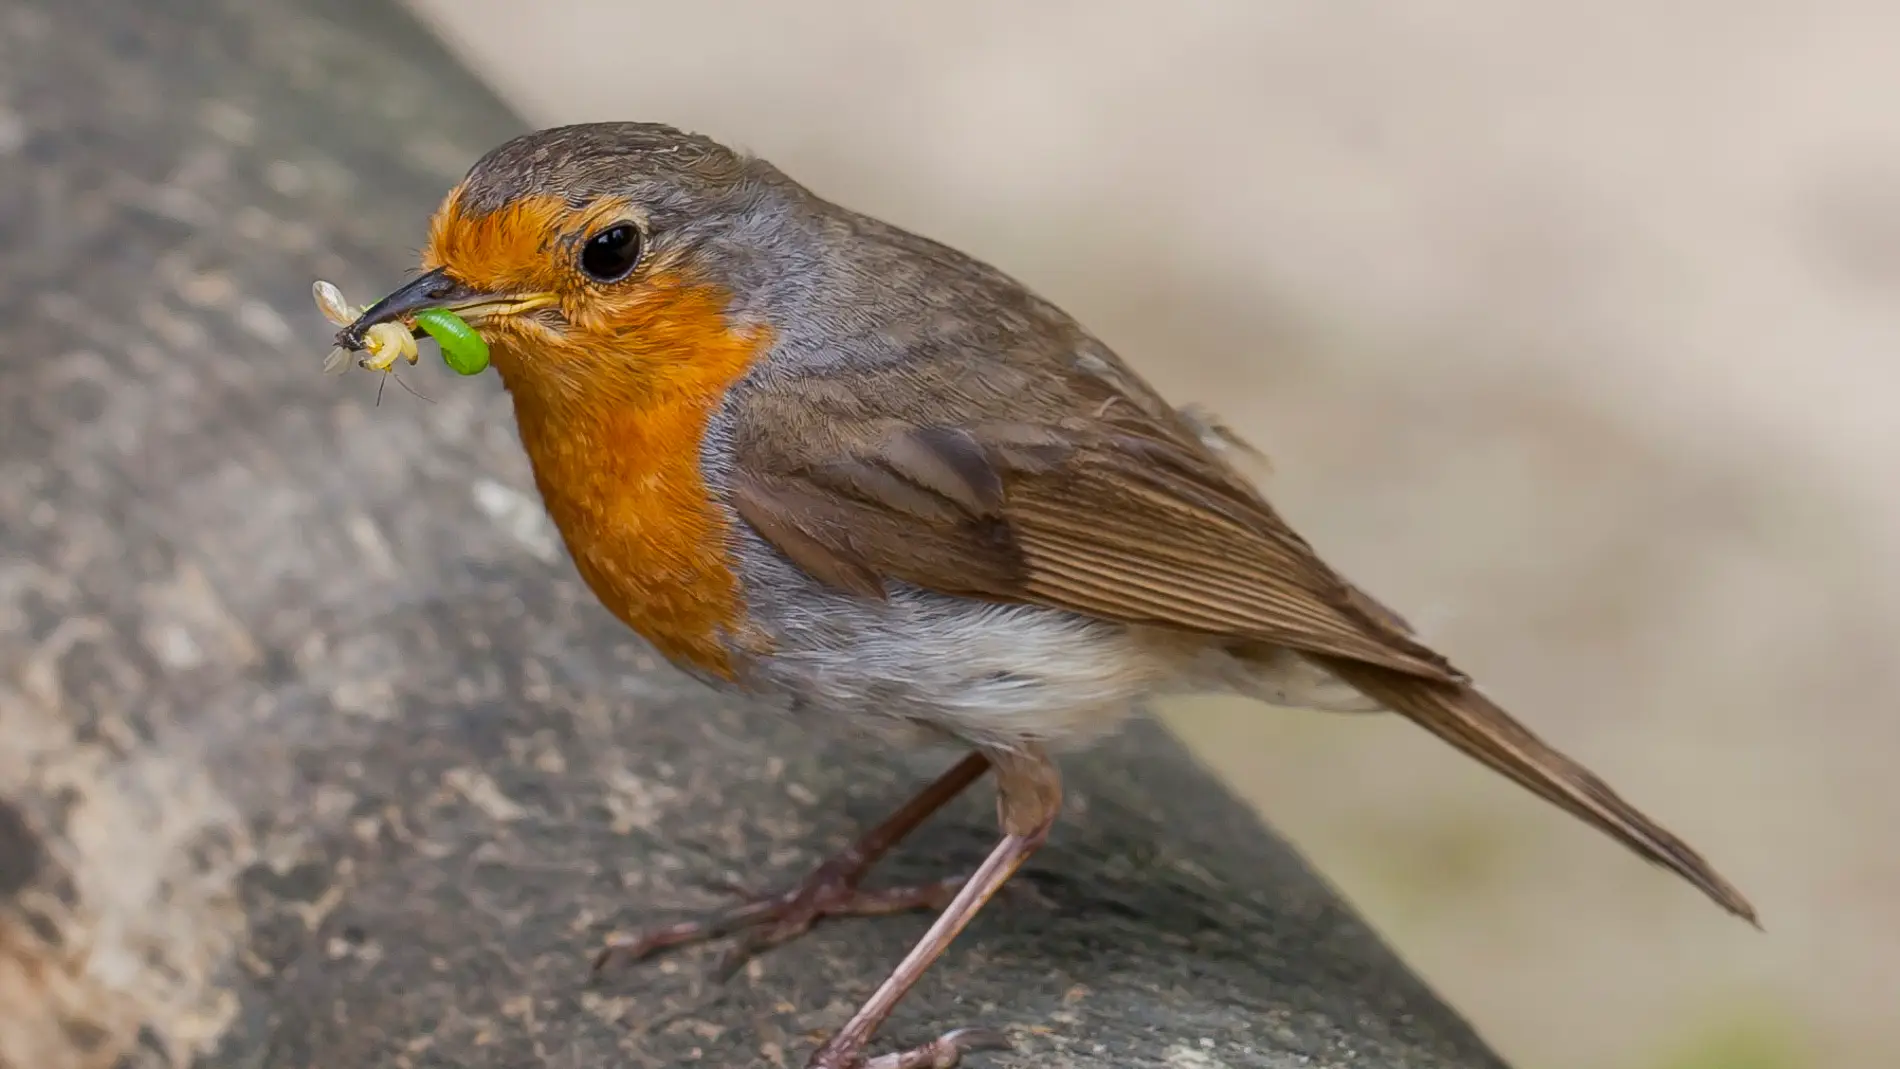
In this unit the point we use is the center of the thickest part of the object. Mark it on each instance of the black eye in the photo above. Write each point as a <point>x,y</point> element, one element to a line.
<point>609,255</point>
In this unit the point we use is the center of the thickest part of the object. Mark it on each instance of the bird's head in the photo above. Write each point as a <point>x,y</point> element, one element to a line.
<point>602,255</point>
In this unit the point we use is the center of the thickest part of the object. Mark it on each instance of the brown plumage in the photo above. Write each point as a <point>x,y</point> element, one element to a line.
<point>1108,503</point>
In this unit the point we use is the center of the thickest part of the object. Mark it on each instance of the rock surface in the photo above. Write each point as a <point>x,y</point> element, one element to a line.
<point>315,752</point>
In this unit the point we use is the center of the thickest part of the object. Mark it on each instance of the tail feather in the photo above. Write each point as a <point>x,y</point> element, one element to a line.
<point>1475,725</point>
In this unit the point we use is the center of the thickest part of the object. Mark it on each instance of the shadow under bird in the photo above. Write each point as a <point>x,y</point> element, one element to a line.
<point>821,461</point>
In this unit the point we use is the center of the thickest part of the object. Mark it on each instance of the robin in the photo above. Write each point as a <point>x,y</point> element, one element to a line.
<point>818,460</point>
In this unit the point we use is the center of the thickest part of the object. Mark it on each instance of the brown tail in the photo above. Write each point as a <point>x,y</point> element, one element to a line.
<point>1474,724</point>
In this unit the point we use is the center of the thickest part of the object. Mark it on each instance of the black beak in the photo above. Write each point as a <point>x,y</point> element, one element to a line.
<point>434,289</point>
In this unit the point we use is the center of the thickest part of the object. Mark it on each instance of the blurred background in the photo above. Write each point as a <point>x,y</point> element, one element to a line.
<point>1571,330</point>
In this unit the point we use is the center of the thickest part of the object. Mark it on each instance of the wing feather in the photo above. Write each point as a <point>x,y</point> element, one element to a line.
<point>1132,519</point>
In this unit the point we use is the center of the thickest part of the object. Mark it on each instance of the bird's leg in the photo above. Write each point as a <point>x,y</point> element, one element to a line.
<point>831,890</point>
<point>1029,795</point>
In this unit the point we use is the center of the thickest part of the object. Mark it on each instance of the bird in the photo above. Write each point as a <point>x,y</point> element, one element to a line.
<point>838,468</point>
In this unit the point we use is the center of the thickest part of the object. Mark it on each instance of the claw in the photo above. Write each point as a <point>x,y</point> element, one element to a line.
<point>632,948</point>
<point>722,886</point>
<point>969,1039</point>
<point>945,1053</point>
<point>741,952</point>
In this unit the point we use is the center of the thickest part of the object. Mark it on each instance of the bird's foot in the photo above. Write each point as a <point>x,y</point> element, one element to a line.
<point>944,1053</point>
<point>830,891</point>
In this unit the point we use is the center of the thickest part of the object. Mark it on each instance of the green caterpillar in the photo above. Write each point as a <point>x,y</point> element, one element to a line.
<point>463,350</point>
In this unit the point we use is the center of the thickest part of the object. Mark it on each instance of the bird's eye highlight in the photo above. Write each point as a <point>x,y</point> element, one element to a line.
<point>610,255</point>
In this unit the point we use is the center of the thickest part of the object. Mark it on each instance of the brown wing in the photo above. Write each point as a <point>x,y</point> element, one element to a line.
<point>1086,493</point>
<point>1090,497</point>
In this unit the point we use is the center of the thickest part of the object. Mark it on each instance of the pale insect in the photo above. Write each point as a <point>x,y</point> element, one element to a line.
<point>385,343</point>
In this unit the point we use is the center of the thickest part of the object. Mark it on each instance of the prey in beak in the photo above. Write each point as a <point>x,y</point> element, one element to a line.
<point>436,290</point>
<point>434,301</point>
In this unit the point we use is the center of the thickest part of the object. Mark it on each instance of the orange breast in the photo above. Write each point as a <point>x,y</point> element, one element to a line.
<point>613,422</point>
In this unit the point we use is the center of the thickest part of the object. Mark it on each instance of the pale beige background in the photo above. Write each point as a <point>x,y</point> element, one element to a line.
<point>1572,328</point>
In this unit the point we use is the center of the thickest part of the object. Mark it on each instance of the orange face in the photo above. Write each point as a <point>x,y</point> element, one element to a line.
<point>614,375</point>
<point>546,311</point>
